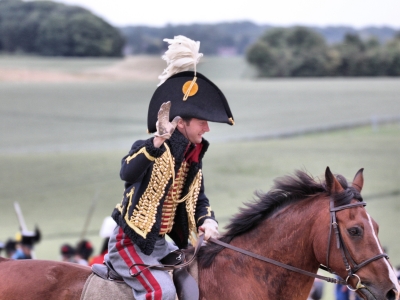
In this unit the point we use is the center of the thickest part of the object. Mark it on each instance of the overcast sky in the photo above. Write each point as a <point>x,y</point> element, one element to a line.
<point>356,13</point>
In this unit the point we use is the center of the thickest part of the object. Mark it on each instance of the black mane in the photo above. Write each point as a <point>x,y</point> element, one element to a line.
<point>285,191</point>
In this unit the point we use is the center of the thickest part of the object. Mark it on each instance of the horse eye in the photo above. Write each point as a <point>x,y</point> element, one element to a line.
<point>355,231</point>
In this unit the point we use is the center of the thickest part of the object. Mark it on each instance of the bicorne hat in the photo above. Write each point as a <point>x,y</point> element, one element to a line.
<point>30,238</point>
<point>192,95</point>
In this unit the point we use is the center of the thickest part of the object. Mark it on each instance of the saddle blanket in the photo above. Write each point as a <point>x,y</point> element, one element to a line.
<point>97,288</point>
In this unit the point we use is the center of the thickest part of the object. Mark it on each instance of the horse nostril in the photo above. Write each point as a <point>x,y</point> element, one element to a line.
<point>391,295</point>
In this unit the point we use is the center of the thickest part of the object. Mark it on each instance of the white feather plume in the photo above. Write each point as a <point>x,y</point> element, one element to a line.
<point>182,55</point>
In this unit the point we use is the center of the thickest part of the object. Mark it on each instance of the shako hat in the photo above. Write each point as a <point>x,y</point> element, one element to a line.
<point>10,246</point>
<point>192,95</point>
<point>84,248</point>
<point>67,250</point>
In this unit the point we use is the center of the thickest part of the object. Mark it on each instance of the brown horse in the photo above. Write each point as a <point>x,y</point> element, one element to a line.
<point>301,222</point>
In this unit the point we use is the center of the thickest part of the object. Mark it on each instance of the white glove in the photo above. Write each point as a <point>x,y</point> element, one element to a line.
<point>164,127</point>
<point>209,229</point>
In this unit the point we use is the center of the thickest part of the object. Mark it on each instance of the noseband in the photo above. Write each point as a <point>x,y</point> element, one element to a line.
<point>340,245</point>
<point>343,249</point>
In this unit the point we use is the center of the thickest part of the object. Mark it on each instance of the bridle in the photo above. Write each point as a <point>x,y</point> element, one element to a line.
<point>343,249</point>
<point>340,245</point>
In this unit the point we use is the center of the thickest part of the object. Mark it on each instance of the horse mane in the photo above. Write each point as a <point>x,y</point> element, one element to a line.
<point>286,190</point>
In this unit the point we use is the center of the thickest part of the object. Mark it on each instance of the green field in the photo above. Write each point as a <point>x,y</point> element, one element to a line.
<point>61,144</point>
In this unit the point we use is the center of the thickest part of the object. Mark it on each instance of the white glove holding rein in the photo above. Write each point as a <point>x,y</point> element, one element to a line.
<point>209,229</point>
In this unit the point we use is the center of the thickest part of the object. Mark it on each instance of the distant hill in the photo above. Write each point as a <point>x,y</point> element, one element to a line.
<point>230,38</point>
<point>335,34</point>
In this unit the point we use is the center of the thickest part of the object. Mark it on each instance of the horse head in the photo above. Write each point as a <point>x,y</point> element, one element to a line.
<point>354,251</point>
<point>278,241</point>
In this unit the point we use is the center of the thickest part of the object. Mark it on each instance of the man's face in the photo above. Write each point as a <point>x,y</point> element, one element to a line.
<point>194,129</point>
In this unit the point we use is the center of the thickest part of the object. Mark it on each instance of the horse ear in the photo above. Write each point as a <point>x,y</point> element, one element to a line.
<point>332,184</point>
<point>358,180</point>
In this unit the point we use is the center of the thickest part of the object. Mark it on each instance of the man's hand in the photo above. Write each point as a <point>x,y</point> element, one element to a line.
<point>164,127</point>
<point>209,229</point>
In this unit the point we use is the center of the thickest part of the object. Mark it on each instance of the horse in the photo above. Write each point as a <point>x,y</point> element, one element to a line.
<point>278,242</point>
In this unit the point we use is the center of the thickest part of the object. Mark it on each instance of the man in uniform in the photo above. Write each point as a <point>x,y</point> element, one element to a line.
<point>106,231</point>
<point>25,244</point>
<point>10,247</point>
<point>164,185</point>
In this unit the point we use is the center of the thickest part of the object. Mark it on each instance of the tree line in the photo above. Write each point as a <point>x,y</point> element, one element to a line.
<point>233,36</point>
<point>214,38</point>
<point>302,52</point>
<point>54,29</point>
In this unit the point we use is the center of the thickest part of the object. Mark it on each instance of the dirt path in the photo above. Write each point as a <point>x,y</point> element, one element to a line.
<point>144,68</point>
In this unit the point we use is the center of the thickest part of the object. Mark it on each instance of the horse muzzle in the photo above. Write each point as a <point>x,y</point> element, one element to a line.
<point>373,292</point>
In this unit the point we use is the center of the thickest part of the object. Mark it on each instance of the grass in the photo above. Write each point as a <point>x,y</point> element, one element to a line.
<point>61,144</point>
<point>73,65</point>
<point>56,190</point>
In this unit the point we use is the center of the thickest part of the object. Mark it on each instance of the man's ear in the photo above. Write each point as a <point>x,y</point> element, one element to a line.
<point>181,124</point>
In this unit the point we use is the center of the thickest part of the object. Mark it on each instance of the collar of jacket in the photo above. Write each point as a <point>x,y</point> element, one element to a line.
<point>178,144</point>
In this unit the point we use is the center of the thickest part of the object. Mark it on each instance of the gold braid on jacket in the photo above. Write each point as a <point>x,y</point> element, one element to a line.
<point>144,215</point>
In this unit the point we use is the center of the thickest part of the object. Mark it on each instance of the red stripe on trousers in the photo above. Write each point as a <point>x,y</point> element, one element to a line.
<point>136,259</point>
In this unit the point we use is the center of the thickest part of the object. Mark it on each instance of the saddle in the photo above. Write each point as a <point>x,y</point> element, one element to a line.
<point>185,284</point>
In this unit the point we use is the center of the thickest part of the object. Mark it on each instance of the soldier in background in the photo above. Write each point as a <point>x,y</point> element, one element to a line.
<point>67,253</point>
<point>10,247</point>
<point>83,251</point>
<point>317,290</point>
<point>106,230</point>
<point>25,244</point>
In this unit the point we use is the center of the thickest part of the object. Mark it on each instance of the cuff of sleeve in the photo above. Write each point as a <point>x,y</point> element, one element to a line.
<point>201,220</point>
<point>153,151</point>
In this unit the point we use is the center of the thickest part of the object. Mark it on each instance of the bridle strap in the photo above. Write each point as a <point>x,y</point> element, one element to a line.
<point>277,263</point>
<point>342,207</point>
<point>356,267</point>
<point>342,246</point>
<point>335,227</point>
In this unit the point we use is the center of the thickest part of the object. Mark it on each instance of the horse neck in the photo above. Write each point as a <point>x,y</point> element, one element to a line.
<point>287,237</point>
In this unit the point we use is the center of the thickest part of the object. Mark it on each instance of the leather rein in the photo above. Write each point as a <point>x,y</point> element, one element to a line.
<point>340,245</point>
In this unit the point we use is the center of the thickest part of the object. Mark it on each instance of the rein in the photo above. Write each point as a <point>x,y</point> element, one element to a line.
<point>340,245</point>
<point>277,263</point>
